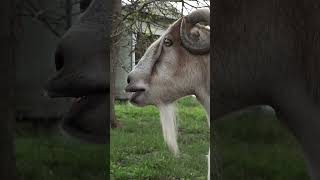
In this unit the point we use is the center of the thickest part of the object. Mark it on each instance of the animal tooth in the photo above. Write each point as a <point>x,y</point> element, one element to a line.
<point>78,99</point>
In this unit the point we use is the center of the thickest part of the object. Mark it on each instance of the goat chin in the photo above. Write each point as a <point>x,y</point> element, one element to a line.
<point>169,126</point>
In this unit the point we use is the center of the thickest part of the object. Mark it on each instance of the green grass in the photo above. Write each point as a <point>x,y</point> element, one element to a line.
<point>249,146</point>
<point>44,155</point>
<point>252,146</point>
<point>138,150</point>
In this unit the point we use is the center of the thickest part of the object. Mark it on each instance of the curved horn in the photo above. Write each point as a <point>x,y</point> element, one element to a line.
<point>193,42</point>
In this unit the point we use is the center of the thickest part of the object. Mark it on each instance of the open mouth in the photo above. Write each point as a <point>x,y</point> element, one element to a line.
<point>87,119</point>
<point>133,95</point>
<point>77,99</point>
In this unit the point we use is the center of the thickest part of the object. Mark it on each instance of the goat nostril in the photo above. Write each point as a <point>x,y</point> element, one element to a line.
<point>59,60</point>
<point>128,80</point>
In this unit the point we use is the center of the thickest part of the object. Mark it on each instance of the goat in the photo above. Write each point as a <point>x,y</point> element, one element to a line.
<point>175,65</point>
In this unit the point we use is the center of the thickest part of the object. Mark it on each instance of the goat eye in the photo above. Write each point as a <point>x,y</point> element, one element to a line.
<point>167,42</point>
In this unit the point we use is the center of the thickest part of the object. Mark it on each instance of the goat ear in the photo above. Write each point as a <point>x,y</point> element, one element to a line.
<point>199,32</point>
<point>195,33</point>
<point>195,37</point>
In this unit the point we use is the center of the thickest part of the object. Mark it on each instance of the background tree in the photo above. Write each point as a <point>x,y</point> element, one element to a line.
<point>139,17</point>
<point>114,56</point>
<point>54,18</point>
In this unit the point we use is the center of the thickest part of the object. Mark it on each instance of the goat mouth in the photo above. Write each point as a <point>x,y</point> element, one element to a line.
<point>134,92</point>
<point>76,100</point>
<point>133,96</point>
<point>85,119</point>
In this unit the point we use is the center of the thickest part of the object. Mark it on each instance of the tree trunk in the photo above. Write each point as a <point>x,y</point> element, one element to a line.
<point>114,56</point>
<point>7,77</point>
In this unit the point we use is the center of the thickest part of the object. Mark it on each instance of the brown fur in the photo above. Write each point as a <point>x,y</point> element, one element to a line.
<point>311,46</point>
<point>267,52</point>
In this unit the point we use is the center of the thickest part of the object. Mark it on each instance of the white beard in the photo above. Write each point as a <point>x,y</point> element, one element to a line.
<point>169,126</point>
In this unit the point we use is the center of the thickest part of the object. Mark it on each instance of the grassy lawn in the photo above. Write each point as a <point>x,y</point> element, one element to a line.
<point>253,146</point>
<point>44,155</point>
<point>138,150</point>
<point>250,146</point>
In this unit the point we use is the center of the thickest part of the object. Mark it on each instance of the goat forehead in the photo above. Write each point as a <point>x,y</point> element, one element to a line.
<point>154,51</point>
<point>153,48</point>
<point>150,56</point>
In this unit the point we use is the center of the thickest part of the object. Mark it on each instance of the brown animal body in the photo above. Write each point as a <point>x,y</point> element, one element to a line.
<point>268,53</point>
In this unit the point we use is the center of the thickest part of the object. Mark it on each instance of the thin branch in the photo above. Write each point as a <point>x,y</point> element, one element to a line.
<point>38,15</point>
<point>138,10</point>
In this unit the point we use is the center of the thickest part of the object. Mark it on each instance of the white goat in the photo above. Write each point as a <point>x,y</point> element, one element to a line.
<point>174,66</point>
